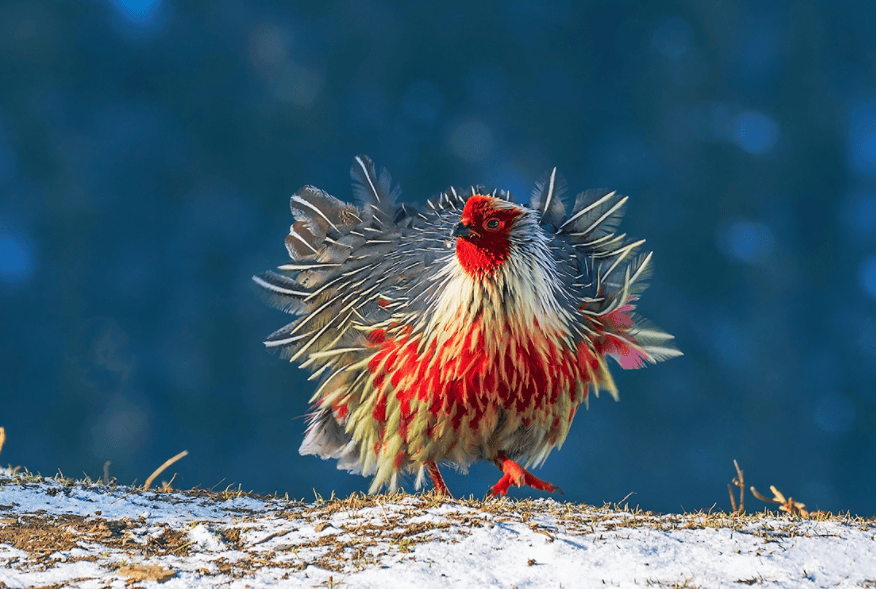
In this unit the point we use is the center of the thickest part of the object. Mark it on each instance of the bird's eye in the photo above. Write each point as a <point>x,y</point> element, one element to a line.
<point>492,224</point>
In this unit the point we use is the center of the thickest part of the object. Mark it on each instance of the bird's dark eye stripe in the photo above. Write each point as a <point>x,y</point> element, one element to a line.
<point>493,223</point>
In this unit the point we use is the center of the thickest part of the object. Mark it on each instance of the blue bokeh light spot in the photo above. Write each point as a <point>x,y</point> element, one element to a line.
<point>746,241</point>
<point>16,262</point>
<point>755,132</point>
<point>867,275</point>
<point>862,137</point>
<point>141,13</point>
<point>868,148</point>
<point>137,8</point>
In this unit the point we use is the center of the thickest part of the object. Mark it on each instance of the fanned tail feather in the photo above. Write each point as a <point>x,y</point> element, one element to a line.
<point>641,270</point>
<point>328,288</point>
<point>547,198</point>
<point>656,342</point>
<point>318,216</point>
<point>281,292</point>
<point>317,209</point>
<point>369,188</point>
<point>301,242</point>
<point>596,214</point>
<point>615,274</point>
<point>632,341</point>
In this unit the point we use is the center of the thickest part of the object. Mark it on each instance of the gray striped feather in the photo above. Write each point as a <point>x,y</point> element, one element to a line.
<point>596,213</point>
<point>547,198</point>
<point>368,187</point>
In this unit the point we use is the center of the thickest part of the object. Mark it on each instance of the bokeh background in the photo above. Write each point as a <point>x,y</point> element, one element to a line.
<point>148,149</point>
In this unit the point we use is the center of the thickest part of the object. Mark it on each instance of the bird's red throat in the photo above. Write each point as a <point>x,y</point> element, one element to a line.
<point>483,258</point>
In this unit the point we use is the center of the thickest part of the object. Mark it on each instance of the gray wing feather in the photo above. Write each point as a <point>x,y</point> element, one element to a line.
<point>368,187</point>
<point>603,271</point>
<point>547,198</point>
<point>596,213</point>
<point>353,267</point>
<point>317,209</point>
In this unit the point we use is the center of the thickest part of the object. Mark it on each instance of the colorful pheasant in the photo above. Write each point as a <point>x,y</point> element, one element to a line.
<point>469,330</point>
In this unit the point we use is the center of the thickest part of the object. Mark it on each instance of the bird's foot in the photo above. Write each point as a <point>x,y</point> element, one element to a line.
<point>438,484</point>
<point>519,476</point>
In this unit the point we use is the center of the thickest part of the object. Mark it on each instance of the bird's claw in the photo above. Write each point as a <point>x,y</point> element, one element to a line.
<point>501,488</point>
<point>518,476</point>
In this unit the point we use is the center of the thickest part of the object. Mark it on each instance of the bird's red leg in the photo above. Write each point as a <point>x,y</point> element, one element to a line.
<point>519,476</point>
<point>437,479</point>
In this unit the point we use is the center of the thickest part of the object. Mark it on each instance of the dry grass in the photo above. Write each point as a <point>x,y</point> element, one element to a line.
<point>789,506</point>
<point>327,507</point>
<point>738,481</point>
<point>346,534</point>
<point>161,469</point>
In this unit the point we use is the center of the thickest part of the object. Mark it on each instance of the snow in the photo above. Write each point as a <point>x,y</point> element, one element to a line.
<point>107,536</point>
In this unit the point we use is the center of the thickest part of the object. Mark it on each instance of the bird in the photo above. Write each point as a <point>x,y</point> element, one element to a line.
<point>468,329</point>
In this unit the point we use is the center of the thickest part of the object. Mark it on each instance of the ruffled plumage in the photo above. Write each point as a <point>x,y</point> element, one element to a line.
<point>426,352</point>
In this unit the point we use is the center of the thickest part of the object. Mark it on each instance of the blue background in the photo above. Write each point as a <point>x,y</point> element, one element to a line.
<point>148,150</point>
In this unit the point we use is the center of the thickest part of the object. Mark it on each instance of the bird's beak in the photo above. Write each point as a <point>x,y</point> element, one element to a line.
<point>461,230</point>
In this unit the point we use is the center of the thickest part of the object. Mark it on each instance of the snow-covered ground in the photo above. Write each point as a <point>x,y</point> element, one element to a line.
<point>72,534</point>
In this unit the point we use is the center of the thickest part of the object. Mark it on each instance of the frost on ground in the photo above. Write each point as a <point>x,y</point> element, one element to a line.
<point>67,533</point>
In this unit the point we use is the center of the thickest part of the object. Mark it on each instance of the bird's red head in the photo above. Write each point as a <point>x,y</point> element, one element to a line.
<point>483,234</point>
